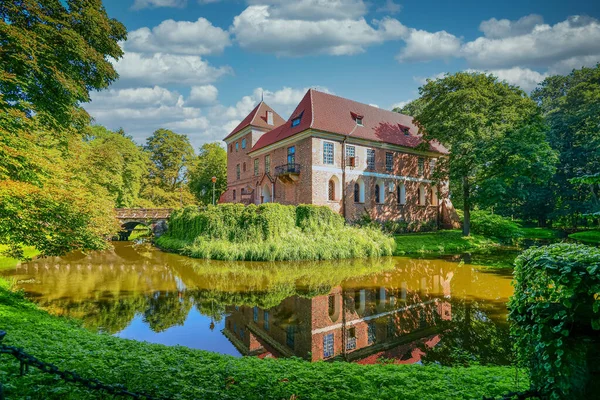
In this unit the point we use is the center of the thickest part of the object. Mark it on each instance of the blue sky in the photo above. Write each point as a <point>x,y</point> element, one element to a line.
<point>199,66</point>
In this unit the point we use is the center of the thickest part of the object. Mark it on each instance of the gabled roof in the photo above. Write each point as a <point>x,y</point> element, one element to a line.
<point>258,118</point>
<point>329,113</point>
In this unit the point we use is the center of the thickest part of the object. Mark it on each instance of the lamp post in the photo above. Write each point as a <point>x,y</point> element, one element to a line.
<point>214,181</point>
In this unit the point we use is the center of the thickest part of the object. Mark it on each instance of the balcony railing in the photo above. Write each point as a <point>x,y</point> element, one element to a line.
<point>287,169</point>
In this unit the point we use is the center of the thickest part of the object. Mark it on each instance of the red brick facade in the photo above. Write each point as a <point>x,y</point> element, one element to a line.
<point>341,171</point>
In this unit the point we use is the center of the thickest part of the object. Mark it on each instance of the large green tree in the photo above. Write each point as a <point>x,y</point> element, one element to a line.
<point>52,54</point>
<point>495,135</point>
<point>171,157</point>
<point>571,106</point>
<point>211,161</point>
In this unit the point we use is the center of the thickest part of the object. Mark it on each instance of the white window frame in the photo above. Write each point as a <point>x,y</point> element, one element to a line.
<point>325,155</point>
<point>371,162</point>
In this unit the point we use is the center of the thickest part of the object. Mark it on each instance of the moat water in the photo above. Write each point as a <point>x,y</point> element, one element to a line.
<point>450,310</point>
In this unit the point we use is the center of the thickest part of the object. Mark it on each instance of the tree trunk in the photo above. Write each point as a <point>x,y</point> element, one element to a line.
<point>466,208</point>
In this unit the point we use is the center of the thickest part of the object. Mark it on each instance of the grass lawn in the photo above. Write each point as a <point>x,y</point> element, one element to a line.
<point>181,373</point>
<point>440,242</point>
<point>8,263</point>
<point>592,236</point>
<point>540,233</point>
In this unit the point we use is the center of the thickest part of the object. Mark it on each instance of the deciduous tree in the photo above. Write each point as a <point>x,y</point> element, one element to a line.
<point>211,161</point>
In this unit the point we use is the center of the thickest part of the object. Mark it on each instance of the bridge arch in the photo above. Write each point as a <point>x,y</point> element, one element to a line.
<point>154,218</point>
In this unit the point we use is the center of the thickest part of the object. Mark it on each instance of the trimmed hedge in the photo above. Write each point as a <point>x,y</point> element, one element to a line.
<point>270,232</point>
<point>556,315</point>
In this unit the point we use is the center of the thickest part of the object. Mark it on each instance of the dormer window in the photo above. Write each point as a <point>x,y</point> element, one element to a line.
<point>358,118</point>
<point>296,121</point>
<point>406,132</point>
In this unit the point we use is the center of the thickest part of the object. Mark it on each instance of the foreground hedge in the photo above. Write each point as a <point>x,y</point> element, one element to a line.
<point>270,232</point>
<point>556,315</point>
<point>182,373</point>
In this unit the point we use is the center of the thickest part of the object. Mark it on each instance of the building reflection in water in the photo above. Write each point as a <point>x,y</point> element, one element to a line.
<point>356,324</point>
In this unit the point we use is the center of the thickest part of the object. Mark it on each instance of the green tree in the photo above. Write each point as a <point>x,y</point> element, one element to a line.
<point>412,108</point>
<point>571,106</point>
<point>171,156</point>
<point>53,54</point>
<point>494,132</point>
<point>113,161</point>
<point>211,161</point>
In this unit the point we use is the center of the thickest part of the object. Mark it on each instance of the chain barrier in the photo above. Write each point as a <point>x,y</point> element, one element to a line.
<point>26,360</point>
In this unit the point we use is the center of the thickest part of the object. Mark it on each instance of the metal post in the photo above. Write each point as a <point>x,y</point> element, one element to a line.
<point>214,180</point>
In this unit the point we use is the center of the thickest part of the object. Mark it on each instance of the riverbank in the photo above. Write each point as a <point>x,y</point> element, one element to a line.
<point>441,242</point>
<point>182,373</point>
<point>270,232</point>
<point>8,262</point>
<point>589,237</point>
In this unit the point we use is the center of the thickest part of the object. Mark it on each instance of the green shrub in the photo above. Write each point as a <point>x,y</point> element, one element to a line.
<point>556,315</point>
<point>586,236</point>
<point>270,232</point>
<point>493,225</point>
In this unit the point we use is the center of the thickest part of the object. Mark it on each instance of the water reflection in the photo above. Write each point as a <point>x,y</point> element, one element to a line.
<point>398,310</point>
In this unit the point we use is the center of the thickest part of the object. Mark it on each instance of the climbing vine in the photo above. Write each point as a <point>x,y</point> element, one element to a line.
<point>556,315</point>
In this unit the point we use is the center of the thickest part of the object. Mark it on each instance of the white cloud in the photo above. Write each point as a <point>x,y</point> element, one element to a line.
<point>389,7</point>
<point>421,80</point>
<point>525,78</point>
<point>258,29</point>
<point>139,97</point>
<point>139,4</point>
<point>426,46</point>
<point>314,10</point>
<point>374,105</point>
<point>400,104</point>
<point>202,95</point>
<point>160,69</point>
<point>503,28</point>
<point>179,37</point>
<point>567,65</point>
<point>544,45</point>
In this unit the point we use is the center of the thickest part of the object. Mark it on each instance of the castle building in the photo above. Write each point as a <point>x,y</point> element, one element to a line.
<point>354,158</point>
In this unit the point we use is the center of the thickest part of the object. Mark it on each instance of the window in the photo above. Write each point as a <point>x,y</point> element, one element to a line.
<point>243,143</point>
<point>359,121</point>
<point>296,121</point>
<point>291,157</point>
<point>421,195</point>
<point>389,161</point>
<point>256,167</point>
<point>328,345</point>
<point>331,190</point>
<point>421,166</point>
<point>377,194</point>
<point>359,191</point>
<point>401,193</point>
<point>371,332</point>
<point>370,159</point>
<point>356,193</point>
<point>237,146</point>
<point>266,320</point>
<point>434,196</point>
<point>432,165</point>
<point>237,171</point>
<point>351,339</point>
<point>406,132</point>
<point>234,197</point>
<point>290,336</point>
<point>255,314</point>
<point>267,163</point>
<point>244,167</point>
<point>327,153</point>
<point>351,156</point>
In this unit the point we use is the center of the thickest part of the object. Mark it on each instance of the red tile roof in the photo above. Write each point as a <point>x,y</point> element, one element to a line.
<point>329,113</point>
<point>258,117</point>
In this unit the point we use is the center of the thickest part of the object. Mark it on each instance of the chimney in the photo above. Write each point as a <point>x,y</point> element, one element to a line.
<point>270,117</point>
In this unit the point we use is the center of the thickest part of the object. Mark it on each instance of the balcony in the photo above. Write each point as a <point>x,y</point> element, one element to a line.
<point>288,173</point>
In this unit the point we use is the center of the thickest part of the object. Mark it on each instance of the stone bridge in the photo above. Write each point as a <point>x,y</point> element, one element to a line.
<point>154,218</point>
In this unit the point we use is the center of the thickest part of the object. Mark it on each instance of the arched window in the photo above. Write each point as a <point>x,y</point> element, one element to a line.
<point>380,191</point>
<point>401,193</point>
<point>377,194</point>
<point>434,196</point>
<point>421,195</point>
<point>356,193</point>
<point>359,191</point>
<point>331,190</point>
